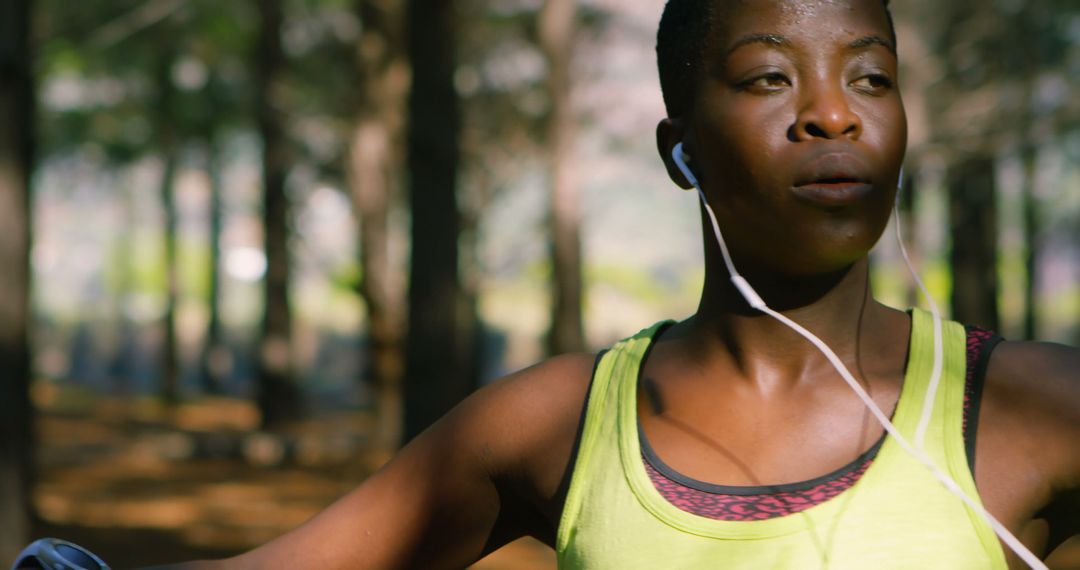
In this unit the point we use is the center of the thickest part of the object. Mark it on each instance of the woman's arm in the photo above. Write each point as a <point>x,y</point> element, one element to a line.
<point>445,500</point>
<point>1028,459</point>
<point>1062,369</point>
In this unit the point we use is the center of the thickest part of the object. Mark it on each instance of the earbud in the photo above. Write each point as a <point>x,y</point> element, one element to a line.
<point>681,158</point>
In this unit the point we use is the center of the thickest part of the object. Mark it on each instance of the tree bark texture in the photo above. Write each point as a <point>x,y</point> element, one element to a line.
<point>556,34</point>
<point>16,151</point>
<point>437,346</point>
<point>973,223</point>
<point>375,162</point>
<point>278,395</point>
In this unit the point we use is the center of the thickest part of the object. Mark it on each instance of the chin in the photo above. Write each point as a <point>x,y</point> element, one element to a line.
<point>829,266</point>
<point>801,264</point>
<point>822,251</point>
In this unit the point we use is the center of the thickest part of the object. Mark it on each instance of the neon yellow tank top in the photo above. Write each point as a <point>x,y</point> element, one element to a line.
<point>896,516</point>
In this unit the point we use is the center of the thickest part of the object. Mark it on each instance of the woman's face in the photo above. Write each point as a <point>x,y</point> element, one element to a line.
<point>797,132</point>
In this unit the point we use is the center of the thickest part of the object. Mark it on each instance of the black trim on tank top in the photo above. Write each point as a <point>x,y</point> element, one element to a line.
<point>564,484</point>
<point>746,490</point>
<point>978,381</point>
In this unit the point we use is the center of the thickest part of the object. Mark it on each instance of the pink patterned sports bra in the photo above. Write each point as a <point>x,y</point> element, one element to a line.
<point>758,503</point>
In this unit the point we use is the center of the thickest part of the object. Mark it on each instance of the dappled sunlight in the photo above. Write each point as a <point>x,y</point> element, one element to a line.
<point>98,471</point>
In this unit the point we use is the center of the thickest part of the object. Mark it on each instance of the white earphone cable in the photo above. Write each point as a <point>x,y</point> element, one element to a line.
<point>939,351</point>
<point>755,301</point>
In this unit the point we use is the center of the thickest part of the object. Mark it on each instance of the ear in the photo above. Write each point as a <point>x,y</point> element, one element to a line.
<point>669,133</point>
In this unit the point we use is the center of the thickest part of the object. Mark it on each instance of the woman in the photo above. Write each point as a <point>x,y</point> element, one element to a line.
<point>727,439</point>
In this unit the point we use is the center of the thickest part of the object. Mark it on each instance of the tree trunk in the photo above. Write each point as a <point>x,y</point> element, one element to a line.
<point>973,221</point>
<point>170,385</point>
<point>375,160</point>
<point>16,142</point>
<point>166,148</point>
<point>472,206</point>
<point>278,395</point>
<point>215,360</point>
<point>121,368</point>
<point>170,392</point>
<point>437,349</point>
<point>556,32</point>
<point>1029,157</point>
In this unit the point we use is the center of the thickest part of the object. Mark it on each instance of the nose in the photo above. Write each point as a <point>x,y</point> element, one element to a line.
<point>824,113</point>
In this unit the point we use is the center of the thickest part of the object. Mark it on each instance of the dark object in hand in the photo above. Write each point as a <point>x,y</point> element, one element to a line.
<point>56,554</point>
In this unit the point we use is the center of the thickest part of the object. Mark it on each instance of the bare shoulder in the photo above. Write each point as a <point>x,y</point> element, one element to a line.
<point>528,419</point>
<point>515,438</point>
<point>1033,390</point>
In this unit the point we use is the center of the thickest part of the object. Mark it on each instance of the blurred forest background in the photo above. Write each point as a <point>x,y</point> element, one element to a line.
<point>249,247</point>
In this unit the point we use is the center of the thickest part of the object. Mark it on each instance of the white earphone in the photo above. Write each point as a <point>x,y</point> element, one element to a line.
<point>682,159</point>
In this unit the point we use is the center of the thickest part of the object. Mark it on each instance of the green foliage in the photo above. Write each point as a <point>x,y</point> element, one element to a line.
<point>100,63</point>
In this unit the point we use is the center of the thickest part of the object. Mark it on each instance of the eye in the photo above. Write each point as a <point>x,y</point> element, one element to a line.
<point>765,83</point>
<point>873,84</point>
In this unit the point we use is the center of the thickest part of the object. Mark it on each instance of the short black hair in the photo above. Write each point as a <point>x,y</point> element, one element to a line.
<point>680,47</point>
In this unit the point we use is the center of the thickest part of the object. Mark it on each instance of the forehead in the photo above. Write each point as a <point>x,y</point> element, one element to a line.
<point>807,20</point>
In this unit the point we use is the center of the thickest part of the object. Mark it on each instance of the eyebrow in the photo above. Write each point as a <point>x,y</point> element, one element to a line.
<point>777,40</point>
<point>873,41</point>
<point>768,39</point>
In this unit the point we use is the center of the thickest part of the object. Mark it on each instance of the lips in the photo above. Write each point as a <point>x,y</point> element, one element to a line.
<point>832,179</point>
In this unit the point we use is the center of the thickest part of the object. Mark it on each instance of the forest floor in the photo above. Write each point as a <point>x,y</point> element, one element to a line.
<point>140,486</point>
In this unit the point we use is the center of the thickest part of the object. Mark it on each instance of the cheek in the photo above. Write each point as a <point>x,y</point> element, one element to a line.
<point>742,145</point>
<point>886,129</point>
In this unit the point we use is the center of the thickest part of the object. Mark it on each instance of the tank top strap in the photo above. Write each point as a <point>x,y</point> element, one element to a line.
<point>617,367</point>
<point>946,420</point>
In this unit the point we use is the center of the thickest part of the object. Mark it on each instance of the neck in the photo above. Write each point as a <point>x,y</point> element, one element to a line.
<point>837,307</point>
